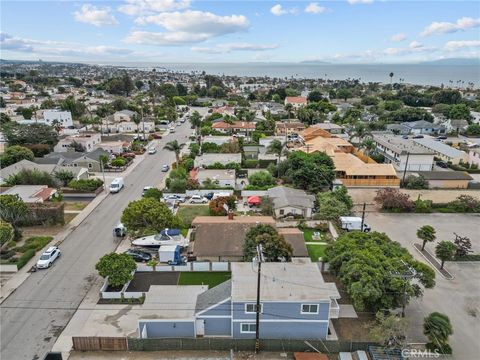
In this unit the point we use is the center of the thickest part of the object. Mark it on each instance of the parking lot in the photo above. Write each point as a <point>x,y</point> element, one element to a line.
<point>458,298</point>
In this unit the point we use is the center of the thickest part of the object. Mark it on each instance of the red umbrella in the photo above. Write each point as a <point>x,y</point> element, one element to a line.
<point>254,200</point>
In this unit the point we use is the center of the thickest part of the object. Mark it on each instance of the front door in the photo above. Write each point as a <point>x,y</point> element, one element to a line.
<point>200,327</point>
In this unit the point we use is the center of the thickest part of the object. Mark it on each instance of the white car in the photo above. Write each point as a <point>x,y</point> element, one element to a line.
<point>197,199</point>
<point>48,257</point>
<point>172,129</point>
<point>152,150</point>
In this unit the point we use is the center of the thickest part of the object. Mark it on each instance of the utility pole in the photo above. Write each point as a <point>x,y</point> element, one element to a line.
<point>363,216</point>
<point>408,274</point>
<point>406,167</point>
<point>257,322</point>
<point>143,122</point>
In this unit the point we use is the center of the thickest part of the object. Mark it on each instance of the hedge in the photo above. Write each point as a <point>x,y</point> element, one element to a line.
<point>263,163</point>
<point>250,164</point>
<point>85,185</point>
<point>26,256</point>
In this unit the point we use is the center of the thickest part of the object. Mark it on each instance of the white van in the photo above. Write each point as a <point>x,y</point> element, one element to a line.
<point>116,185</point>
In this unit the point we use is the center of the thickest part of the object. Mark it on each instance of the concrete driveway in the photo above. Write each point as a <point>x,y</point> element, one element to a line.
<point>458,298</point>
<point>36,313</point>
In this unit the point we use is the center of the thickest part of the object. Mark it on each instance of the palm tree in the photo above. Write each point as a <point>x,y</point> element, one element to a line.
<point>196,121</point>
<point>427,234</point>
<point>289,109</point>
<point>437,328</point>
<point>445,251</point>
<point>391,78</point>
<point>275,147</point>
<point>368,144</point>
<point>175,147</point>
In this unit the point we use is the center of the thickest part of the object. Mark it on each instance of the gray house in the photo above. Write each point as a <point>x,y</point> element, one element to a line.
<point>295,303</point>
<point>290,202</point>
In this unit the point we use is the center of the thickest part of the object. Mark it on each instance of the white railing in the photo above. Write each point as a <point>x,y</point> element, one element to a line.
<point>334,309</point>
<point>191,266</point>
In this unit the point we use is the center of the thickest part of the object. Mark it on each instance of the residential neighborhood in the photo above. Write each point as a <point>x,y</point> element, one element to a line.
<point>152,212</point>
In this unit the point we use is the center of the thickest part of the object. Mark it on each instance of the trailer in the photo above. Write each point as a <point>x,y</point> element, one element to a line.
<point>169,254</point>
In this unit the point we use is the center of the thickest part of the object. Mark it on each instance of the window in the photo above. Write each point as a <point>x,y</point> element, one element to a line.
<point>90,165</point>
<point>282,212</point>
<point>309,309</point>
<point>252,308</point>
<point>248,328</point>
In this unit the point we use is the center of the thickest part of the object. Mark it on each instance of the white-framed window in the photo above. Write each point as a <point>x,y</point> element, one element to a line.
<point>247,328</point>
<point>309,309</point>
<point>251,308</point>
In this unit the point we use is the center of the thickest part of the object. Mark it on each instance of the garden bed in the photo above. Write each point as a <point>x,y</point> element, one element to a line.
<point>23,252</point>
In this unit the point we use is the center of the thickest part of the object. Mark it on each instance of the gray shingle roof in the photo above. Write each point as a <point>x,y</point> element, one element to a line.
<point>445,175</point>
<point>285,196</point>
<point>213,296</point>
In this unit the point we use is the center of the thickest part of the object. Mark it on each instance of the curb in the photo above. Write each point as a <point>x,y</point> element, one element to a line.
<point>433,265</point>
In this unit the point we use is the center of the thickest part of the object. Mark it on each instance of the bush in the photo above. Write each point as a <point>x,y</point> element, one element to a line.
<point>118,162</point>
<point>216,205</point>
<point>48,213</point>
<point>250,164</point>
<point>393,200</point>
<point>177,185</point>
<point>85,185</point>
<point>415,182</point>
<point>31,177</point>
<point>26,256</point>
<point>36,243</point>
<point>261,179</point>
<point>7,254</point>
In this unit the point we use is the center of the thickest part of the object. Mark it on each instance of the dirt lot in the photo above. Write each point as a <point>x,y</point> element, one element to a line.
<point>362,195</point>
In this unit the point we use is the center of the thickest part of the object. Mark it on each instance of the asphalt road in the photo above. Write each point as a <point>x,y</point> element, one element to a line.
<point>35,314</point>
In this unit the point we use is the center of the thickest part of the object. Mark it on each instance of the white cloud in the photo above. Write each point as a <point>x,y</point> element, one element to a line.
<point>279,10</point>
<point>90,14</point>
<point>227,48</point>
<point>462,24</point>
<point>314,8</point>
<point>144,7</point>
<point>398,37</point>
<point>458,45</point>
<point>187,27</point>
<point>415,45</point>
<point>412,48</point>
<point>353,2</point>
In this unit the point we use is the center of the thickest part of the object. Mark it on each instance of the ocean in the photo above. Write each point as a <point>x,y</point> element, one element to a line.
<point>421,74</point>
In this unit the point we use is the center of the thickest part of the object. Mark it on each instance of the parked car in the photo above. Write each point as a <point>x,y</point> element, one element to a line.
<point>174,197</point>
<point>172,129</point>
<point>139,256</point>
<point>418,137</point>
<point>441,137</point>
<point>209,196</point>
<point>152,150</point>
<point>165,168</point>
<point>441,164</point>
<point>145,189</point>
<point>156,136</point>
<point>48,257</point>
<point>197,199</point>
<point>120,230</point>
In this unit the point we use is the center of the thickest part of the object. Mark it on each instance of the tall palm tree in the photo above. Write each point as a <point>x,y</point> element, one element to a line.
<point>368,145</point>
<point>427,234</point>
<point>275,147</point>
<point>437,328</point>
<point>175,147</point>
<point>391,78</point>
<point>289,109</point>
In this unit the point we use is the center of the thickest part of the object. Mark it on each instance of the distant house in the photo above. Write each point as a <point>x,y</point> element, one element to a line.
<point>32,193</point>
<point>88,141</point>
<point>423,127</point>
<point>221,177</point>
<point>291,202</point>
<point>123,115</point>
<point>114,147</point>
<point>456,125</point>
<point>64,118</point>
<point>206,160</point>
<point>332,128</point>
<point>237,127</point>
<point>131,127</point>
<point>287,128</point>
<point>446,179</point>
<point>85,160</point>
<point>296,303</point>
<point>443,151</point>
<point>296,101</point>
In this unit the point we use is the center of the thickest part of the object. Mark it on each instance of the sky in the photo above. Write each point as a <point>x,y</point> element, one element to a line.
<point>186,31</point>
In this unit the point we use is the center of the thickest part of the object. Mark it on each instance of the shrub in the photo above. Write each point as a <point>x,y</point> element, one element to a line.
<point>393,200</point>
<point>250,164</point>
<point>31,177</point>
<point>26,256</point>
<point>216,205</point>
<point>118,162</point>
<point>36,243</point>
<point>465,203</point>
<point>415,182</point>
<point>261,179</point>
<point>85,185</point>
<point>7,254</point>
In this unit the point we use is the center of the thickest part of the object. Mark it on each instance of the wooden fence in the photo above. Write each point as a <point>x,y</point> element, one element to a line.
<point>93,343</point>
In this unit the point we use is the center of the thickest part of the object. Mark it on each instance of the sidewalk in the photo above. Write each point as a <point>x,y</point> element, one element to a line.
<point>18,278</point>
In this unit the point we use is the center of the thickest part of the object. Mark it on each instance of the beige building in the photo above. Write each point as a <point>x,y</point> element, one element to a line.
<point>446,179</point>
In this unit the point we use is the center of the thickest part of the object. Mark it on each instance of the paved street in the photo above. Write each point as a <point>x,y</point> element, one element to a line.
<point>36,313</point>
<point>458,298</point>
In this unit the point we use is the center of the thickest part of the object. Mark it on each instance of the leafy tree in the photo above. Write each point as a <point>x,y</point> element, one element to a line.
<point>315,96</point>
<point>139,84</point>
<point>445,251</point>
<point>306,115</point>
<point>410,114</point>
<point>275,147</point>
<point>14,154</point>
<point>31,177</point>
<point>344,93</point>
<point>275,247</point>
<point>181,89</point>
<point>104,159</point>
<point>23,134</point>
<point>230,147</point>
<point>127,84</point>
<point>473,130</point>
<point>463,245</point>
<point>312,172</point>
<point>119,104</point>
<point>153,193</point>
<point>437,328</point>
<point>168,90</point>
<point>365,262</point>
<point>216,205</point>
<point>27,113</point>
<point>459,111</point>
<point>392,105</point>
<point>117,267</point>
<point>64,176</point>
<point>447,97</point>
<point>76,108</point>
<point>196,120</point>
<point>177,185</point>
<point>393,200</point>
<point>415,182</point>
<point>389,330</point>
<point>13,210</point>
<point>175,147</point>
<point>7,233</point>
<point>148,215</point>
<point>266,205</point>
<point>261,179</point>
<point>427,234</point>
<point>333,204</point>
<point>4,118</point>
<point>370,100</point>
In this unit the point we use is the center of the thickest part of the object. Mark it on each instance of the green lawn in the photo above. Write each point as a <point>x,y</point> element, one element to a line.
<point>188,212</point>
<point>316,251</point>
<point>308,235</point>
<point>210,278</point>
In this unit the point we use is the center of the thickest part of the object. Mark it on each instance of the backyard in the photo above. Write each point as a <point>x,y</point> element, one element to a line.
<point>316,242</point>
<point>188,212</point>
<point>209,278</point>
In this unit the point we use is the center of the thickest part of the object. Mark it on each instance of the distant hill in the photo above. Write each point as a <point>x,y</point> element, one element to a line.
<point>453,61</point>
<point>315,62</point>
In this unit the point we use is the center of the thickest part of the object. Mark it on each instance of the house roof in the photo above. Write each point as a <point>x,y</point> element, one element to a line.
<point>400,145</point>
<point>284,196</point>
<point>445,175</point>
<point>213,296</point>
<point>327,126</point>
<point>295,237</point>
<point>26,165</point>
<point>421,124</point>
<point>126,112</point>
<point>235,125</point>
<point>31,193</point>
<point>296,99</point>
<point>210,159</point>
<point>440,147</point>
<point>289,125</point>
<point>284,281</point>
<point>213,174</point>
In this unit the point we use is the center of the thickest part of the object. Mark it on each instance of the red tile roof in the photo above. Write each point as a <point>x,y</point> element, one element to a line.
<point>235,125</point>
<point>296,99</point>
